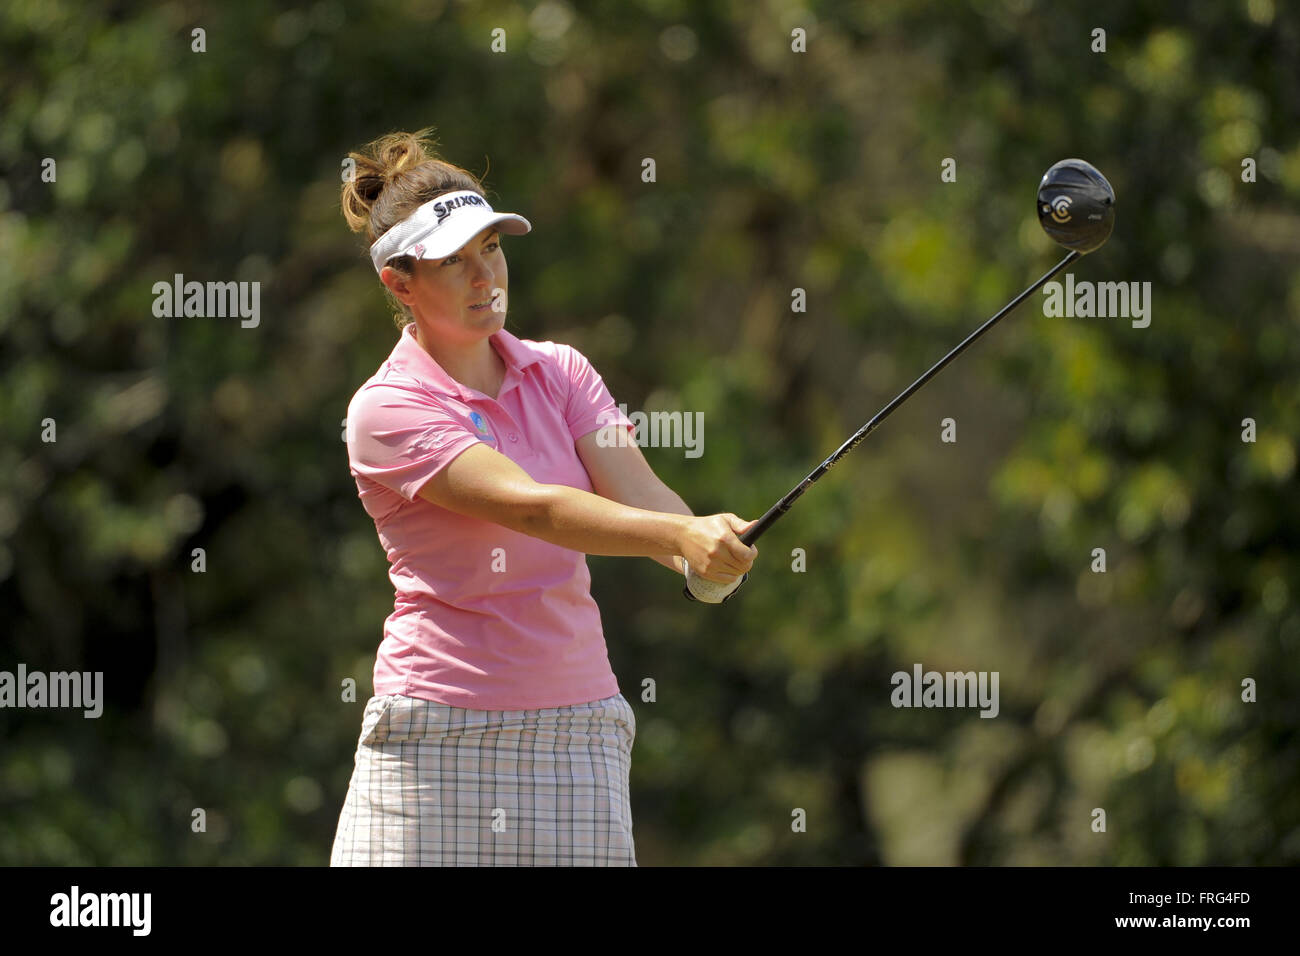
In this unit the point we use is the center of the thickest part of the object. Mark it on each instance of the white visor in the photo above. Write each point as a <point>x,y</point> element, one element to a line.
<point>441,226</point>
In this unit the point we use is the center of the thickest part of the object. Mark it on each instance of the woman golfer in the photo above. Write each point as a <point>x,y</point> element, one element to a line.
<point>491,466</point>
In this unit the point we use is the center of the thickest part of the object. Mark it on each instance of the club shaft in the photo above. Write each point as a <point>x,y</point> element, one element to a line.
<point>782,506</point>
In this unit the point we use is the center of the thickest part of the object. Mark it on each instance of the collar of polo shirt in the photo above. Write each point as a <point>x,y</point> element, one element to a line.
<point>425,368</point>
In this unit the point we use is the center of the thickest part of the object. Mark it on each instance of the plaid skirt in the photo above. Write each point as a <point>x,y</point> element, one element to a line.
<point>436,785</point>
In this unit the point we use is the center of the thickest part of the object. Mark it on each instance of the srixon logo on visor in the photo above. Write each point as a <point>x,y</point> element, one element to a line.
<point>444,209</point>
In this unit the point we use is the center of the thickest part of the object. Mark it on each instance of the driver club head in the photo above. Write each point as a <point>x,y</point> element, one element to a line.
<point>1076,205</point>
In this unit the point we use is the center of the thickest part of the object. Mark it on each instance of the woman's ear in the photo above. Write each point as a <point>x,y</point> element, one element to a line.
<point>397,283</point>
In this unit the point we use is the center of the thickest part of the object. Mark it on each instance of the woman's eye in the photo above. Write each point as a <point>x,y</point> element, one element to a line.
<point>490,247</point>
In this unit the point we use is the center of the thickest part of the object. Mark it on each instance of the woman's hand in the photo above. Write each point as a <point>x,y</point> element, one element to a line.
<point>698,589</point>
<point>712,549</point>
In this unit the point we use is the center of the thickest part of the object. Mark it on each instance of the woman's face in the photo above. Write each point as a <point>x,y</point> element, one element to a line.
<point>459,299</point>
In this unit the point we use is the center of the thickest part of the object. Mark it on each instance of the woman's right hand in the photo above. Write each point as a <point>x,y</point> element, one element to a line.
<point>713,549</point>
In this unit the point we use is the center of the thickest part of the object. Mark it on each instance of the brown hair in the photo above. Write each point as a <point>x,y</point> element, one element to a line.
<point>394,176</point>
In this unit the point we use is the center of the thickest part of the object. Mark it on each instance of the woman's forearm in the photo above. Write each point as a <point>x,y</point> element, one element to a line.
<point>664,499</point>
<point>594,525</point>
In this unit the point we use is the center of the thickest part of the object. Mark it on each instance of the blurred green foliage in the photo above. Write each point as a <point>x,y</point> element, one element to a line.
<point>775,170</point>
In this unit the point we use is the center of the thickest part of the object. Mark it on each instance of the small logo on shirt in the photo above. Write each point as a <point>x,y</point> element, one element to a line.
<point>480,423</point>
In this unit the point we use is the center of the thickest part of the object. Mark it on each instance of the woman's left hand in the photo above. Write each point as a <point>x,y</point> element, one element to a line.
<point>709,592</point>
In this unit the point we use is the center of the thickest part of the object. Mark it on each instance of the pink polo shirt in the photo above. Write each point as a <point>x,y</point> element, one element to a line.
<point>483,617</point>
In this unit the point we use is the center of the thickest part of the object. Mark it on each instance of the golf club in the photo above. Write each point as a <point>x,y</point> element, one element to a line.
<point>1076,208</point>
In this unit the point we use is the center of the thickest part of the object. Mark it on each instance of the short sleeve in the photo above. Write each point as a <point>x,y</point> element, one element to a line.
<point>589,405</point>
<point>401,437</point>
